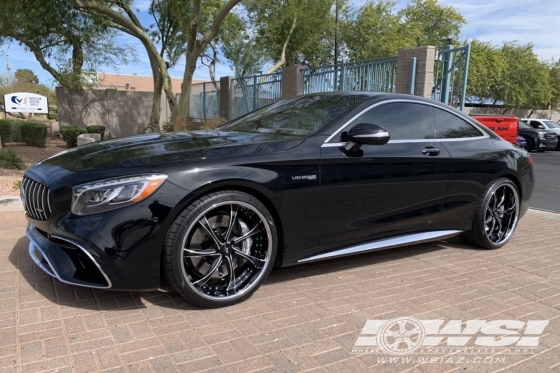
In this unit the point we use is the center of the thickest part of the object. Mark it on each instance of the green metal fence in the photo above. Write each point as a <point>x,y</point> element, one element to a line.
<point>253,92</point>
<point>451,71</point>
<point>374,75</point>
<point>205,101</point>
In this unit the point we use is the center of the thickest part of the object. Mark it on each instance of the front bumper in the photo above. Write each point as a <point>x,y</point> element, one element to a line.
<point>547,144</point>
<point>67,260</point>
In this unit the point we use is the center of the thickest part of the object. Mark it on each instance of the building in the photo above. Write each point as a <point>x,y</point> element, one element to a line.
<point>133,82</point>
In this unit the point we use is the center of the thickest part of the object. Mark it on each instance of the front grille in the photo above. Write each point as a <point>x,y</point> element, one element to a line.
<point>37,199</point>
<point>551,136</point>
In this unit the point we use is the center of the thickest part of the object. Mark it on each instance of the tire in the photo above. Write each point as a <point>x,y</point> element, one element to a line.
<point>530,144</point>
<point>495,219</point>
<point>215,264</point>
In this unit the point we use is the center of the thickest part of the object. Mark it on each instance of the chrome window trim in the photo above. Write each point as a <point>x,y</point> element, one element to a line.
<point>333,144</point>
<point>484,134</point>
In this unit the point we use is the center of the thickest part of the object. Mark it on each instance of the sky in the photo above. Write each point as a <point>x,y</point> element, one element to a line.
<point>524,21</point>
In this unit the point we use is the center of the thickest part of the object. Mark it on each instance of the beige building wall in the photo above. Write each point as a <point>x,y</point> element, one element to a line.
<point>133,82</point>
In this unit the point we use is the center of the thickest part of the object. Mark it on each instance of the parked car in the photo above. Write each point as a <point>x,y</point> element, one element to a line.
<point>504,126</point>
<point>545,125</point>
<point>521,142</point>
<point>538,139</point>
<point>309,178</point>
<point>509,127</point>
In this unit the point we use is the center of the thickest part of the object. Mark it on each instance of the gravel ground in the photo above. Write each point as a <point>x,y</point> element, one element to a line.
<point>30,155</point>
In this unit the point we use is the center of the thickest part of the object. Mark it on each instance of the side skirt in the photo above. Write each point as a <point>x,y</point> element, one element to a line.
<point>387,243</point>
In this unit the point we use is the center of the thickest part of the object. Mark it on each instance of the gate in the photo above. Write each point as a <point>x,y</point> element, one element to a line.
<point>451,72</point>
<point>253,92</point>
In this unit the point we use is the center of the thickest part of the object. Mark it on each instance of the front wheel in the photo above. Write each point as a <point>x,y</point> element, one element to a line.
<point>220,249</point>
<point>496,217</point>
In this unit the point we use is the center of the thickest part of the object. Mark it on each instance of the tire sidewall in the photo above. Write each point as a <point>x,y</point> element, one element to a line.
<point>189,218</point>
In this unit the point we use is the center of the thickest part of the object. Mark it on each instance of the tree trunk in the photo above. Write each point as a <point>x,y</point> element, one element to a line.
<point>77,64</point>
<point>182,121</point>
<point>282,59</point>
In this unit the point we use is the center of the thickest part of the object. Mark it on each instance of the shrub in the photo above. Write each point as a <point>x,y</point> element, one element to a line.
<point>96,129</point>
<point>9,159</point>
<point>34,134</point>
<point>70,135</point>
<point>9,131</point>
<point>52,115</point>
<point>210,124</point>
<point>17,185</point>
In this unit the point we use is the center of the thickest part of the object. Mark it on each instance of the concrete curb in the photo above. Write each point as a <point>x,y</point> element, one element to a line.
<point>11,203</point>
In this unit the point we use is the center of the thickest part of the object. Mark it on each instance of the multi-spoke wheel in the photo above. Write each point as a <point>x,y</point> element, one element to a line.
<point>497,216</point>
<point>220,249</point>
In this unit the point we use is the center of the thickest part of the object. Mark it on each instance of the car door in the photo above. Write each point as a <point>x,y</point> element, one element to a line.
<point>389,190</point>
<point>474,166</point>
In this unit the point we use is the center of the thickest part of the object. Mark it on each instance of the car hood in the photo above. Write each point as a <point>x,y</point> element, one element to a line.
<point>156,149</point>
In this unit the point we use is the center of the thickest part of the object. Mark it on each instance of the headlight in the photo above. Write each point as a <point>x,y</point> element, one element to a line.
<point>542,135</point>
<point>110,194</point>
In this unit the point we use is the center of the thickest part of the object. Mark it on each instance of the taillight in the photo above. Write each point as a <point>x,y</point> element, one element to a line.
<point>530,160</point>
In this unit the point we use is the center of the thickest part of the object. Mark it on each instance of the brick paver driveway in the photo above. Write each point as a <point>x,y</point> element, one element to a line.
<point>304,318</point>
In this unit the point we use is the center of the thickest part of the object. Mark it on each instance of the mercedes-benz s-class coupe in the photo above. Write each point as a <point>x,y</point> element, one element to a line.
<point>309,178</point>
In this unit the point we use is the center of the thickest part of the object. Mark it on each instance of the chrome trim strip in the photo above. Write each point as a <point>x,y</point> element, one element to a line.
<point>337,144</point>
<point>384,244</point>
<point>484,134</point>
<point>77,244</point>
<point>33,248</point>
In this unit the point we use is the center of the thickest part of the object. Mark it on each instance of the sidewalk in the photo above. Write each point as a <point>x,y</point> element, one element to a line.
<point>304,318</point>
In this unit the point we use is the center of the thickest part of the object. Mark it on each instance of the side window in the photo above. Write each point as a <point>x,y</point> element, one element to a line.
<point>536,124</point>
<point>404,121</point>
<point>449,126</point>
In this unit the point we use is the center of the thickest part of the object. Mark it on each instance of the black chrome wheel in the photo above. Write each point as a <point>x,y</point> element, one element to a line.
<point>224,250</point>
<point>497,216</point>
<point>502,212</point>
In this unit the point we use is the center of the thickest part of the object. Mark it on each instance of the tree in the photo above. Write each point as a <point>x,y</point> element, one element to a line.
<point>486,71</point>
<point>374,31</point>
<point>526,82</point>
<point>26,76</point>
<point>240,46</point>
<point>293,31</point>
<point>555,84</point>
<point>63,41</point>
<point>426,22</point>
<point>199,35</point>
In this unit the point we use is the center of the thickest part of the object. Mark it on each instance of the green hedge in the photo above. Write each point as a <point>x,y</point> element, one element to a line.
<point>96,129</point>
<point>70,135</point>
<point>9,131</point>
<point>33,134</point>
<point>52,115</point>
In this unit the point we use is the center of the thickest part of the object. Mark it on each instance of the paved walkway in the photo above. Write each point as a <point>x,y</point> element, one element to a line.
<point>304,318</point>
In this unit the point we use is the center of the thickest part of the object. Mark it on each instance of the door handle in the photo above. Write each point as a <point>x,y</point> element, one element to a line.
<point>430,150</point>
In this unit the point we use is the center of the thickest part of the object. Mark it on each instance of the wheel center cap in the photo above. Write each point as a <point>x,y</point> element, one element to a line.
<point>226,249</point>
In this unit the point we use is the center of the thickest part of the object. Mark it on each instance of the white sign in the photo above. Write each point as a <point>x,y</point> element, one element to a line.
<point>22,102</point>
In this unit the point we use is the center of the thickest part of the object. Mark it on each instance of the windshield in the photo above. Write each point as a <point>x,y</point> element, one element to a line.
<point>524,125</point>
<point>551,124</point>
<point>298,116</point>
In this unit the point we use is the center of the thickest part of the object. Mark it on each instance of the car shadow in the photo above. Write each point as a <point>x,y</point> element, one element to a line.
<point>39,286</point>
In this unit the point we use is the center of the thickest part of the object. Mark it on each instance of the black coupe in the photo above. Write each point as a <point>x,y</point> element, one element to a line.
<point>309,178</point>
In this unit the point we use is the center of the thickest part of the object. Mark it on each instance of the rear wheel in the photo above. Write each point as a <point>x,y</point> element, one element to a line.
<point>496,218</point>
<point>220,249</point>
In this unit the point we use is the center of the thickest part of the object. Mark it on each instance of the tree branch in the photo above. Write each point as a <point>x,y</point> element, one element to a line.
<point>282,59</point>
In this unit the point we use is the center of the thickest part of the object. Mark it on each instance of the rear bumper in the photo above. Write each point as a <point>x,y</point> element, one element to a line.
<point>69,261</point>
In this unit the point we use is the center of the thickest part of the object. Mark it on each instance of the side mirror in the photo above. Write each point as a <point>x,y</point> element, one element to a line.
<point>366,134</point>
